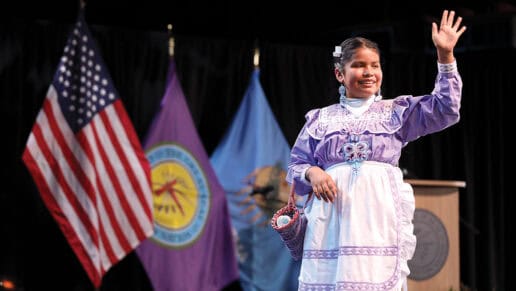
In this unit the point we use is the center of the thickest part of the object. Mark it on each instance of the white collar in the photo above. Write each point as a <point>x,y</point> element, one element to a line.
<point>357,106</point>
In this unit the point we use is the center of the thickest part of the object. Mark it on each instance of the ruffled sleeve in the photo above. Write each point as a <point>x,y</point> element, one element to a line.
<point>431,113</point>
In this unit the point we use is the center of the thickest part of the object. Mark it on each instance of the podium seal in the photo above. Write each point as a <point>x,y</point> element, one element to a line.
<point>432,245</point>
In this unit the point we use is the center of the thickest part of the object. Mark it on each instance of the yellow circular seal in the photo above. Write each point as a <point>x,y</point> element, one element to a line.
<point>175,195</point>
<point>181,195</point>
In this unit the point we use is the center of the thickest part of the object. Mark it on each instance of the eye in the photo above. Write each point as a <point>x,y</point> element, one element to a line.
<point>358,64</point>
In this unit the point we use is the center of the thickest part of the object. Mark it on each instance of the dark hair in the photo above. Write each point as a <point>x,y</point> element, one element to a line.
<point>349,47</point>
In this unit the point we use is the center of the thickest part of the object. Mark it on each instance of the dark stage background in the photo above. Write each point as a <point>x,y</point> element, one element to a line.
<point>214,52</point>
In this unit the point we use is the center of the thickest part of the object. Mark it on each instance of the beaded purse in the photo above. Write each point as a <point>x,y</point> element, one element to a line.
<point>290,222</point>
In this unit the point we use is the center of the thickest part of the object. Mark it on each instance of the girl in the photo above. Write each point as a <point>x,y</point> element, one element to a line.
<point>360,233</point>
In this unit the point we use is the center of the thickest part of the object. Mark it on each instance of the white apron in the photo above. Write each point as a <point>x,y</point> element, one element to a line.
<point>363,240</point>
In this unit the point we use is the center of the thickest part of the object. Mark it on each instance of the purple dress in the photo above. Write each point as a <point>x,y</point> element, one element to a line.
<point>363,240</point>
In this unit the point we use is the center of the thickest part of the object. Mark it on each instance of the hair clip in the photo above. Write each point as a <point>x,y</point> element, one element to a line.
<point>338,51</point>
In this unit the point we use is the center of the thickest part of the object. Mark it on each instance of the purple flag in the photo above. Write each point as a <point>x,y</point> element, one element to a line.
<point>192,247</point>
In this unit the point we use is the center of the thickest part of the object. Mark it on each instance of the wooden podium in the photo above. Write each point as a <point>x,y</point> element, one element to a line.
<point>435,265</point>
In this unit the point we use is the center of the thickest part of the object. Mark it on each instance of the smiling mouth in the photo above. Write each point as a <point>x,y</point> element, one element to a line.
<point>367,83</point>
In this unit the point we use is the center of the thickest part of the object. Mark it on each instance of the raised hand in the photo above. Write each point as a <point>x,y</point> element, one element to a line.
<point>445,36</point>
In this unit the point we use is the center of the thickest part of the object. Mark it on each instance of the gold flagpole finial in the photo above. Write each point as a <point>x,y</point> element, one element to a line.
<point>171,42</point>
<point>256,58</point>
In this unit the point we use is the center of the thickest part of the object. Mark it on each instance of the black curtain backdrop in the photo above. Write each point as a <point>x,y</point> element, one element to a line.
<point>214,74</point>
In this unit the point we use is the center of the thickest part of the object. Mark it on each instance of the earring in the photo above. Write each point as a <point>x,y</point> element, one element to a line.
<point>378,96</point>
<point>342,90</point>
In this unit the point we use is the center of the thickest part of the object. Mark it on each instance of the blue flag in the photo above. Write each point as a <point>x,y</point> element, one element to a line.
<point>251,163</point>
<point>192,247</point>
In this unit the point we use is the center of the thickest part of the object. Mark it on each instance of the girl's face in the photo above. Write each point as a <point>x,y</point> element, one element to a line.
<point>362,75</point>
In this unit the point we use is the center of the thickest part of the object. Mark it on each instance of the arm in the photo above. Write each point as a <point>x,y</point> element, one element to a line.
<point>301,159</point>
<point>434,112</point>
<point>422,115</point>
<point>304,171</point>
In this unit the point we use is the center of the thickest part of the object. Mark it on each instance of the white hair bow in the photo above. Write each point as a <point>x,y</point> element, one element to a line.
<point>338,51</point>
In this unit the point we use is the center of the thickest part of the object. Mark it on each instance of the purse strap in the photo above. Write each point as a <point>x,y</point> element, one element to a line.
<point>292,197</point>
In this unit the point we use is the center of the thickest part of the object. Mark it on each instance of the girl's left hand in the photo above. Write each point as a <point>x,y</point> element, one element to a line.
<point>446,36</point>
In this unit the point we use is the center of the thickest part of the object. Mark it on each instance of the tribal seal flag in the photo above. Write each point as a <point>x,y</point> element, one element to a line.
<point>192,248</point>
<point>181,197</point>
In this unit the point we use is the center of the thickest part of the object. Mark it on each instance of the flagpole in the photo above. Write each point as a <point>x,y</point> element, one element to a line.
<point>82,4</point>
<point>171,42</point>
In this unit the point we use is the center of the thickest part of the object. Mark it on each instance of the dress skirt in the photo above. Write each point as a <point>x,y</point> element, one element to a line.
<point>363,240</point>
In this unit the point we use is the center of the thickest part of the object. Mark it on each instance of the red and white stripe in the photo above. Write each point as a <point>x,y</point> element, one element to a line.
<point>96,183</point>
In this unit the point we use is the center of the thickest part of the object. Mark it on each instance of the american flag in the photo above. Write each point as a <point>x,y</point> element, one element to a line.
<point>87,161</point>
